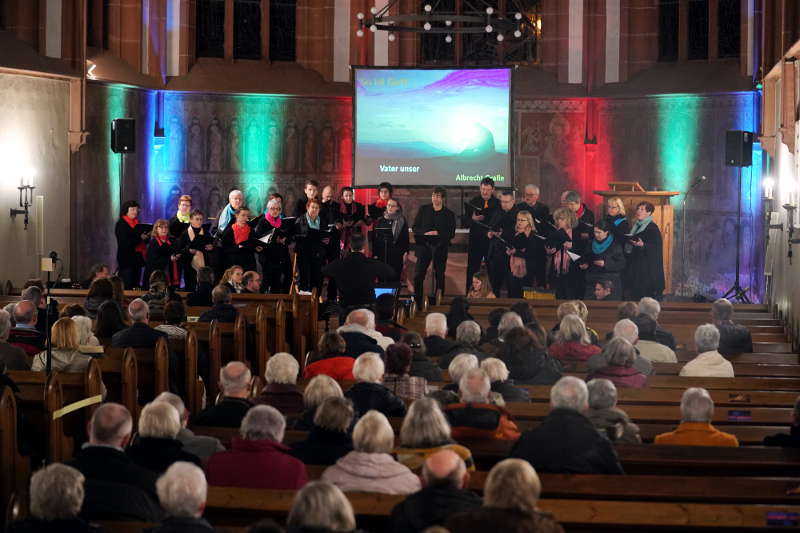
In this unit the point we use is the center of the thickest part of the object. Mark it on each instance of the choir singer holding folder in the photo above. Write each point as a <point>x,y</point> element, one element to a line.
<point>478,212</point>
<point>434,228</point>
<point>566,249</point>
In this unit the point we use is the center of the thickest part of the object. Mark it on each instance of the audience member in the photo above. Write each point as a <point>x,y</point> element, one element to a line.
<point>397,377</point>
<point>24,334</point>
<point>182,491</point>
<point>65,353</point>
<point>792,439</point>
<point>508,321</point>
<point>235,381</point>
<point>110,320</point>
<point>222,310</point>
<point>97,271</point>
<point>157,294</point>
<point>384,320</point>
<point>625,310</point>
<point>11,357</point>
<point>572,341</point>
<point>281,390</point>
<point>139,334</point>
<point>459,366</point>
<point>85,334</point>
<point>527,360</point>
<point>116,488</point>
<point>101,290</point>
<point>320,507</point>
<point>606,416</point>
<point>625,329</point>
<point>620,356</point>
<point>157,446</point>
<point>733,338</point>
<point>652,308</point>
<point>563,309</point>
<point>331,359</point>
<point>695,429</point>
<point>709,363</point>
<point>468,338</point>
<point>494,320</point>
<point>458,313</point>
<point>251,281</point>
<point>370,466</point>
<point>258,459</point>
<point>119,290</point>
<point>368,393</point>
<point>73,310</point>
<point>566,441</point>
<point>498,377</point>
<point>329,438</point>
<point>444,492</point>
<point>510,499</point>
<point>318,389</point>
<point>174,316</point>
<point>474,416</point>
<point>583,312</point>
<point>436,343</point>
<point>34,292</point>
<point>648,346</point>
<point>425,431</point>
<point>421,364</point>
<point>200,445</point>
<point>528,317</point>
<point>360,336</point>
<point>201,297</point>
<point>56,497</point>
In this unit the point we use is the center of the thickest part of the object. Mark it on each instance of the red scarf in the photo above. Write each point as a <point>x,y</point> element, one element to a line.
<point>174,276</point>
<point>241,234</point>
<point>579,212</point>
<point>380,203</point>
<point>141,247</point>
<point>131,221</point>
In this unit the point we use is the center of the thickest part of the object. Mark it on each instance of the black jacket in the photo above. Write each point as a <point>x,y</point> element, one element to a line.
<point>239,254</point>
<point>509,392</point>
<point>790,440</point>
<point>477,231</point>
<point>201,297</point>
<point>734,339</point>
<point>355,277</point>
<point>614,264</point>
<point>566,442</point>
<point>159,255</point>
<point>128,239</point>
<point>174,524</point>
<point>436,346</point>
<point>322,447</point>
<point>425,368</point>
<point>33,525</point>
<point>139,335</point>
<point>646,265</point>
<point>220,312</point>
<point>184,243</point>
<point>457,349</point>
<point>531,367</point>
<point>665,337</point>
<point>366,396</point>
<point>158,454</point>
<point>176,227</point>
<point>429,220</point>
<point>274,253</point>
<point>431,506</point>
<point>357,343</point>
<point>229,412</point>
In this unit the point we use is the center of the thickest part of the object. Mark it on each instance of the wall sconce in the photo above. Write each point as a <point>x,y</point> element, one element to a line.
<point>25,197</point>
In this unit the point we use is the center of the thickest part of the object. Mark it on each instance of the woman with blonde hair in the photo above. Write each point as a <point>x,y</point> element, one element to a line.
<point>481,286</point>
<point>321,507</point>
<point>66,356</point>
<point>233,279</point>
<point>318,389</point>
<point>526,256</point>
<point>572,341</point>
<point>563,245</point>
<point>616,219</point>
<point>162,253</point>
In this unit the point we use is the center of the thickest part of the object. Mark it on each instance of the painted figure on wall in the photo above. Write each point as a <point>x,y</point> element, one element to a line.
<point>273,146</point>
<point>214,203</point>
<point>253,201</point>
<point>176,147</point>
<point>252,159</point>
<point>290,161</point>
<point>345,162</point>
<point>197,196</point>
<point>234,146</point>
<point>326,149</point>
<point>215,146</point>
<point>195,147</point>
<point>309,155</point>
<point>171,203</point>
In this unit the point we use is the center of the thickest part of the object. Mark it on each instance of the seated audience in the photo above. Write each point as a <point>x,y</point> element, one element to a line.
<point>73,310</point>
<point>510,498</point>
<point>65,353</point>
<point>563,309</point>
<point>85,334</point>
<point>436,343</point>
<point>320,507</point>
<point>620,355</point>
<point>56,497</point>
<point>232,279</point>
<point>119,290</point>
<point>201,297</point>
<point>566,442</point>
<point>34,292</point>
<point>116,488</point>
<point>498,377</point>
<point>425,431</point>
<point>182,491</point>
<point>494,320</point>
<point>360,336</point>
<point>281,390</point>
<point>101,290</point>
<point>421,364</point>
<point>174,316</point>
<point>625,329</point>
<point>258,460</point>
<point>508,321</point>
<point>458,367</point>
<point>234,381</point>
<point>468,338</point>
<point>583,312</point>
<point>572,342</point>
<point>444,492</point>
<point>222,310</point>
<point>97,271</point>
<point>200,445</point>
<point>695,429</point>
<point>110,320</point>
<point>458,313</point>
<point>474,416</point>
<point>318,389</point>
<point>156,446</point>
<point>24,334</point>
<point>527,360</point>
<point>329,438</point>
<point>384,319</point>
<point>606,416</point>
<point>733,338</point>
<point>139,334</point>
<point>370,466</point>
<point>625,310</point>
<point>709,363</point>
<point>648,346</point>
<point>11,357</point>
<point>397,377</point>
<point>792,439</point>
<point>369,393</point>
<point>157,295</point>
<point>652,308</point>
<point>331,359</point>
<point>480,287</point>
<point>251,281</point>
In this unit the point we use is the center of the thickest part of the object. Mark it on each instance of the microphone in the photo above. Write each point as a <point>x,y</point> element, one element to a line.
<point>697,181</point>
<point>54,256</point>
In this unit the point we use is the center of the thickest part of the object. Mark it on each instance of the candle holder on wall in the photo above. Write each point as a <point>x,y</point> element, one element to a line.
<point>25,202</point>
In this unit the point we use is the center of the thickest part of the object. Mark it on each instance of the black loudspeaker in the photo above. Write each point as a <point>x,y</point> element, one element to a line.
<point>738,148</point>
<point>123,135</point>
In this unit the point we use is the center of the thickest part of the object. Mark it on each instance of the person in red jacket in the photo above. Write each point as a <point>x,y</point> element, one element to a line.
<point>620,355</point>
<point>258,460</point>
<point>572,341</point>
<point>331,359</point>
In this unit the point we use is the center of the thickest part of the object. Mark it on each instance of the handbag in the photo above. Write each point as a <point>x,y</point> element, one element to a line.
<point>519,268</point>
<point>198,261</point>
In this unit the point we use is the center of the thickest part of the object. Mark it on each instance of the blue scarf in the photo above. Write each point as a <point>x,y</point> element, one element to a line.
<point>618,221</point>
<point>600,247</point>
<point>641,225</point>
<point>225,218</point>
<point>313,224</point>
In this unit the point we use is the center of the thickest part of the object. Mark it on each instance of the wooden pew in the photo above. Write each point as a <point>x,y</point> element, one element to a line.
<point>120,373</point>
<point>15,469</point>
<point>152,369</point>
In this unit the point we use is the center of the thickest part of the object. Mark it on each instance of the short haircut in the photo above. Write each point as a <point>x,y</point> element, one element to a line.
<point>234,377</point>
<point>196,212</point>
<point>313,183</point>
<point>572,329</point>
<point>469,333</point>
<point>65,334</point>
<point>359,317</point>
<point>123,209</point>
<point>205,275</point>
<point>235,192</point>
<point>335,414</point>
<point>248,276</point>
<point>282,367</point>
<point>627,310</point>
<point>319,388</point>
<point>509,321</point>
<point>441,191</point>
<point>221,294</point>
<point>569,392</point>
<point>512,484</point>
<point>312,201</point>
<point>566,308</point>
<point>356,242</point>
<point>32,293</point>
<point>331,342</point>
<point>138,310</point>
<point>321,506</point>
<point>84,326</point>
<point>73,310</point>
<point>415,342</point>
<point>507,193</point>
<point>111,423</point>
<point>619,352</point>
<point>627,329</point>
<point>182,490</point>
<point>447,480</point>
<point>523,309</point>
<point>398,358</point>
<point>474,386</point>
<point>436,324</point>
<point>424,425</point>
<point>460,365</point>
<point>263,422</point>
<point>565,213</point>
<point>487,181</point>
<point>495,315</point>
<point>174,312</point>
<point>706,338</point>
<point>274,202</point>
<point>368,368</point>
<point>647,206</point>
<point>174,400</point>
<point>606,284</point>
<point>386,185</point>
<point>5,324</point>
<point>384,305</point>
<point>56,492</point>
<point>602,393</point>
<point>495,368</point>
<point>572,196</point>
<point>373,434</point>
<point>696,405</point>
<point>24,312</point>
<point>722,309</point>
<point>649,306</point>
<point>646,326</point>
<point>160,420</point>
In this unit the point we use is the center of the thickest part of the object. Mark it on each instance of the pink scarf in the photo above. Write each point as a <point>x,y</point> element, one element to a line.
<point>276,222</point>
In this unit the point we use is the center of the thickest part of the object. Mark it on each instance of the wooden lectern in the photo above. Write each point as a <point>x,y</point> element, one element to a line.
<point>631,194</point>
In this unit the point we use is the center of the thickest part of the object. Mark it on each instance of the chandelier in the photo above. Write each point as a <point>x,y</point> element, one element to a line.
<point>476,18</point>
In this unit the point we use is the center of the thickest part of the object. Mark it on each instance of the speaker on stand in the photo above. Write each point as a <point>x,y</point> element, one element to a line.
<point>738,153</point>
<point>123,141</point>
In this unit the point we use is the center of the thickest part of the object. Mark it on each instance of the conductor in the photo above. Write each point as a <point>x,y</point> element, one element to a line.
<point>355,275</point>
<point>434,228</point>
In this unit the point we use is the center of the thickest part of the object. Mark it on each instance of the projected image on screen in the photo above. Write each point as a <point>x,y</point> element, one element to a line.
<point>432,127</point>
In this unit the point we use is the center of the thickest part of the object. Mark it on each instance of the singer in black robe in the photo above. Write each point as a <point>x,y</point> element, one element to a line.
<point>312,240</point>
<point>162,253</point>
<point>276,266</point>
<point>239,242</point>
<point>353,215</point>
<point>604,262</point>
<point>617,221</point>
<point>502,231</point>
<point>434,228</point>
<point>196,239</point>
<point>525,247</point>
<point>478,212</point>
<point>131,244</point>
<point>566,273</point>
<point>391,238</point>
<point>645,273</point>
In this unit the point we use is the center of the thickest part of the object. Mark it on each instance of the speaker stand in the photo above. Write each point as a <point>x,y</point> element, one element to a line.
<point>121,177</point>
<point>736,292</point>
